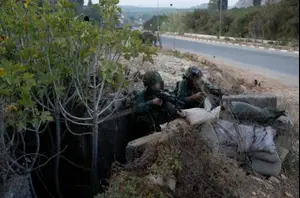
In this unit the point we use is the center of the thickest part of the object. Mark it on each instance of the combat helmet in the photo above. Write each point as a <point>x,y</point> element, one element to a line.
<point>151,78</point>
<point>193,72</point>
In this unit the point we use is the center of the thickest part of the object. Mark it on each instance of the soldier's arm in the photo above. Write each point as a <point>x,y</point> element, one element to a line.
<point>142,105</point>
<point>182,91</point>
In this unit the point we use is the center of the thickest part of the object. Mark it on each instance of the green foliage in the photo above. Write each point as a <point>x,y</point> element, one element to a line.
<point>167,164</point>
<point>47,54</point>
<point>273,21</point>
<point>131,186</point>
<point>214,5</point>
<point>155,22</point>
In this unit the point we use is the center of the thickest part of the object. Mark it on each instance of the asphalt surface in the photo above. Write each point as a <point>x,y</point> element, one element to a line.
<point>284,63</point>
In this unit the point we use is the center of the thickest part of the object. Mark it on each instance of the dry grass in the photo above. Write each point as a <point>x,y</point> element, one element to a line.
<point>198,171</point>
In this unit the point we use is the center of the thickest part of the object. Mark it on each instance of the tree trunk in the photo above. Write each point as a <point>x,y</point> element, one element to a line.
<point>58,147</point>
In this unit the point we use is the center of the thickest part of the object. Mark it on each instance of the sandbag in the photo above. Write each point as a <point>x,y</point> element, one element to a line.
<point>207,104</point>
<point>245,111</point>
<point>237,140</point>
<point>264,156</point>
<point>197,116</point>
<point>208,134</point>
<point>245,138</point>
<point>265,168</point>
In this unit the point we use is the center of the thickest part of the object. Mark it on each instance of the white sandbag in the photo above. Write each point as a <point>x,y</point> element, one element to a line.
<point>207,104</point>
<point>197,116</point>
<point>245,138</point>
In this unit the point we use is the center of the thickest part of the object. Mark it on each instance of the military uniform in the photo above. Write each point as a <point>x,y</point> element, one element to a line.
<point>149,116</point>
<point>186,89</point>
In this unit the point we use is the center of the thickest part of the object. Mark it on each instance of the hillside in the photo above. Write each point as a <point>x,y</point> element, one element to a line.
<point>145,13</point>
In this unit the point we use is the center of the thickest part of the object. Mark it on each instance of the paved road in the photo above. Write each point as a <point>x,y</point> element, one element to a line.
<point>280,62</point>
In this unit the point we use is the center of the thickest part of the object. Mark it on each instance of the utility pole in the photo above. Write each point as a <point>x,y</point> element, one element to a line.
<point>173,20</point>
<point>158,35</point>
<point>220,27</point>
<point>157,15</point>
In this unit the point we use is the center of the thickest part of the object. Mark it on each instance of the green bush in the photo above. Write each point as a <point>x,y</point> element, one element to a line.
<point>52,60</point>
<point>272,22</point>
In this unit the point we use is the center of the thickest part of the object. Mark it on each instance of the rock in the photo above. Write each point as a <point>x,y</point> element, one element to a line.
<point>219,75</point>
<point>288,194</point>
<point>254,193</point>
<point>274,180</point>
<point>169,130</point>
<point>156,179</point>
<point>282,141</point>
<point>284,125</point>
<point>257,100</point>
<point>171,183</point>
<point>200,59</point>
<point>282,152</point>
<point>256,178</point>
<point>159,180</point>
<point>283,177</point>
<point>16,187</point>
<point>134,146</point>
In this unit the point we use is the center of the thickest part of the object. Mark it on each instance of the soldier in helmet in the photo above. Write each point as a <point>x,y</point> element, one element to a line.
<point>188,92</point>
<point>150,110</point>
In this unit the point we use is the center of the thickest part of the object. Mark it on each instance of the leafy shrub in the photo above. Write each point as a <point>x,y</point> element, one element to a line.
<point>52,61</point>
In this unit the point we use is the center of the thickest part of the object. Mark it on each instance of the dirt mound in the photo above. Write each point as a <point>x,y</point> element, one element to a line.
<point>186,159</point>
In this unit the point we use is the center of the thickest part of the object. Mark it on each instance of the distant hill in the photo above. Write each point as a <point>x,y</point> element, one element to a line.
<point>146,13</point>
<point>201,6</point>
<point>136,9</point>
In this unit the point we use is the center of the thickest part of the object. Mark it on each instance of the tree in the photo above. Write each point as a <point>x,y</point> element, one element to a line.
<point>90,3</point>
<point>55,64</point>
<point>256,2</point>
<point>213,5</point>
<point>155,22</point>
<point>224,4</point>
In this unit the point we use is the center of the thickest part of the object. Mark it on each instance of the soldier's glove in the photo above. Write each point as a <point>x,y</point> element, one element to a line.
<point>197,96</point>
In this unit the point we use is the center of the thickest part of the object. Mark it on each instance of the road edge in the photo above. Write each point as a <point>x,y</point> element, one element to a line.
<point>235,44</point>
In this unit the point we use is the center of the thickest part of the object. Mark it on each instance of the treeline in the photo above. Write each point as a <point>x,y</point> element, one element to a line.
<point>273,21</point>
<point>155,22</point>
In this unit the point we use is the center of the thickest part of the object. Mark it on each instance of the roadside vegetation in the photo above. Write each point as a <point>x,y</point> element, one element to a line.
<point>278,21</point>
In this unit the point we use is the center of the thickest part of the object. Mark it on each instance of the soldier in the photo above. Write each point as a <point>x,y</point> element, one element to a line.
<point>188,92</point>
<point>150,110</point>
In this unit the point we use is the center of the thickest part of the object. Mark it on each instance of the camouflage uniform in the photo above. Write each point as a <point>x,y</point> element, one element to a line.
<point>186,88</point>
<point>148,115</point>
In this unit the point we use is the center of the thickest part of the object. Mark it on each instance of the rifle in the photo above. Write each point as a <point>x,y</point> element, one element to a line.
<point>167,97</point>
<point>217,92</point>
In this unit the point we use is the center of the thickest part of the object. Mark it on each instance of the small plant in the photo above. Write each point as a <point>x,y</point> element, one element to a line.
<point>168,163</point>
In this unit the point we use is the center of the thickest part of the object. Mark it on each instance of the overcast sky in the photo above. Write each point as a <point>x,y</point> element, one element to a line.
<point>165,3</point>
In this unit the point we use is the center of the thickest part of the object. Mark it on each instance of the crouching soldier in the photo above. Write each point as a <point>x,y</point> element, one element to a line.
<point>187,90</point>
<point>193,90</point>
<point>151,111</point>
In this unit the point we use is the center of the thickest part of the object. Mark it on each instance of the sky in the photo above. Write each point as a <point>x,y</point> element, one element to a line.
<point>165,3</point>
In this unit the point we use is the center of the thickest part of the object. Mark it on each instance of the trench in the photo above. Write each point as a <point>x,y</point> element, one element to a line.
<point>75,162</point>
